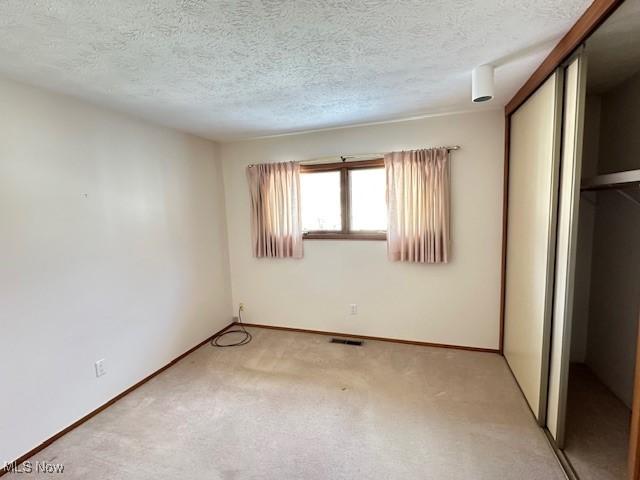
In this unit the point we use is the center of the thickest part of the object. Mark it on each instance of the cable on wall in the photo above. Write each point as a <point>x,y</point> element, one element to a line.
<point>246,336</point>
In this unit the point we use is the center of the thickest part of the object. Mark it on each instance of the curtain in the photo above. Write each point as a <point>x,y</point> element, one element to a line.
<point>418,205</point>
<point>276,224</point>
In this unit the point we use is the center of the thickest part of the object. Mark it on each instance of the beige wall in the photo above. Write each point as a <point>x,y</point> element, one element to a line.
<point>113,246</point>
<point>456,303</point>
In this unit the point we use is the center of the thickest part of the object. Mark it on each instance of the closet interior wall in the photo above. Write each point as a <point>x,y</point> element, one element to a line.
<point>607,290</point>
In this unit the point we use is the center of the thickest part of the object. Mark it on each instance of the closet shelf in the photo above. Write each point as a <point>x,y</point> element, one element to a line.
<point>611,180</point>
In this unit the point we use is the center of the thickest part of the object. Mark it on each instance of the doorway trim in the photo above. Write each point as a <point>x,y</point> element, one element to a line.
<point>634,437</point>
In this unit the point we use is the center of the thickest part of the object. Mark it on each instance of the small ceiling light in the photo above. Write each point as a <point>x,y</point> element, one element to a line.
<point>482,83</point>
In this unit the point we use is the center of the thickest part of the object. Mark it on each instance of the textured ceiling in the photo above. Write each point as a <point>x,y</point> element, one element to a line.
<point>243,68</point>
<point>613,50</point>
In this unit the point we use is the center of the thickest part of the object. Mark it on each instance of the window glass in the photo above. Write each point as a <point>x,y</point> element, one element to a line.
<point>368,199</point>
<point>320,201</point>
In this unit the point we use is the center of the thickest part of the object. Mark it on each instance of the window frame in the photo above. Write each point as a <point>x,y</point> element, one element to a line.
<point>345,201</point>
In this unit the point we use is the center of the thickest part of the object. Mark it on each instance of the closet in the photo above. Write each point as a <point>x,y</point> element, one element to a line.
<point>606,303</point>
<point>571,305</point>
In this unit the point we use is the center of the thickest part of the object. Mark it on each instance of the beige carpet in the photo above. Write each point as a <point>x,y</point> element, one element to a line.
<point>597,431</point>
<point>294,406</point>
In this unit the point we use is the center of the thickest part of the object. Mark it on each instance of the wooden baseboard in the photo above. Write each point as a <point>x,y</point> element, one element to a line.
<point>55,437</point>
<point>381,339</point>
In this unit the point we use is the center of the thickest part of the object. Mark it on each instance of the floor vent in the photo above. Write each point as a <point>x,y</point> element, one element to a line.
<point>346,341</point>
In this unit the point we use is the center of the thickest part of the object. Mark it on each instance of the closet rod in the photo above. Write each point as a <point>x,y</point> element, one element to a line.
<point>628,197</point>
<point>344,157</point>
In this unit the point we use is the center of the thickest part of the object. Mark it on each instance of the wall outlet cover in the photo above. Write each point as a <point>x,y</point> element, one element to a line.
<point>100,368</point>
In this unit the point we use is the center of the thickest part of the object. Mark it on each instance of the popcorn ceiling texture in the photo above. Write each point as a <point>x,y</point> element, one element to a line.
<point>233,69</point>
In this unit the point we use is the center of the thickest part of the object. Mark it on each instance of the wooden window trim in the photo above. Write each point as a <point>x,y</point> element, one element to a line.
<point>328,167</point>
<point>345,200</point>
<point>344,236</point>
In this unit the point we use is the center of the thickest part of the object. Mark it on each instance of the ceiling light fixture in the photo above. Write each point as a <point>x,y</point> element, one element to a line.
<point>482,83</point>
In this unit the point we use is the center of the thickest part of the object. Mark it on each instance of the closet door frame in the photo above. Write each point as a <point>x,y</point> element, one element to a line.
<point>634,435</point>
<point>569,213</point>
<point>590,20</point>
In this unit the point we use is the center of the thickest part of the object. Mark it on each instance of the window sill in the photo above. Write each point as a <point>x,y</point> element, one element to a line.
<point>344,236</point>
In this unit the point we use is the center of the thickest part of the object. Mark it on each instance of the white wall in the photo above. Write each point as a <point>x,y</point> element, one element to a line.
<point>457,303</point>
<point>113,246</point>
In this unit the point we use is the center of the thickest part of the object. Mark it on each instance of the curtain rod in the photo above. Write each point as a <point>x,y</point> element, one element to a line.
<point>368,155</point>
<point>344,157</point>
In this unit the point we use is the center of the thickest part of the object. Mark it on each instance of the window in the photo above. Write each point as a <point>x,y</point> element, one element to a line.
<point>368,203</point>
<point>320,202</point>
<point>344,200</point>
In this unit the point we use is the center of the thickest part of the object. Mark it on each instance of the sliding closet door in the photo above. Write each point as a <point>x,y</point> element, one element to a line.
<point>568,203</point>
<point>534,146</point>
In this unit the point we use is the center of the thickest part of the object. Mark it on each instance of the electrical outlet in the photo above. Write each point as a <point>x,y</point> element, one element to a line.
<point>100,368</point>
<point>353,309</point>
<point>242,307</point>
